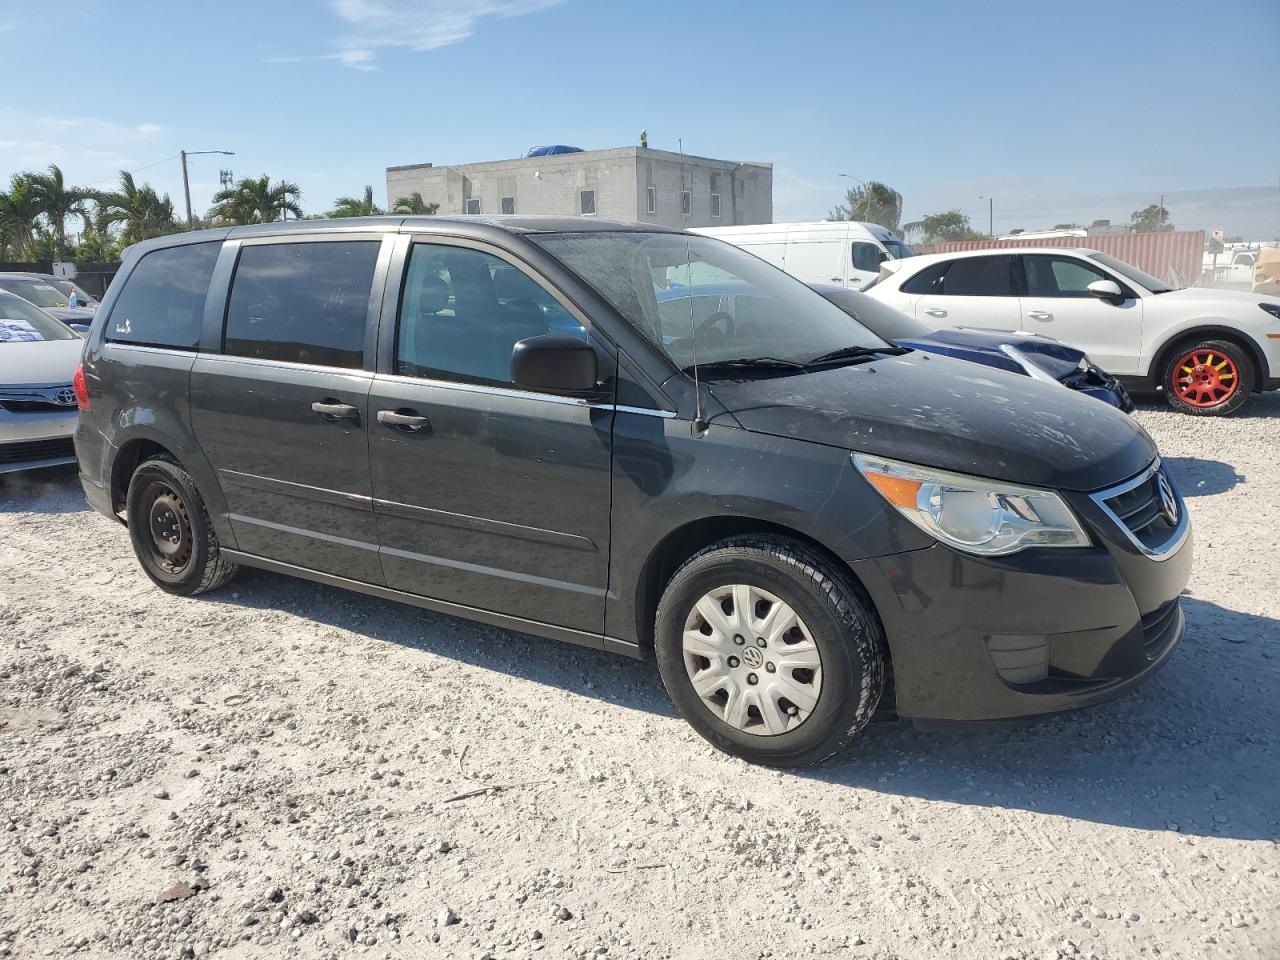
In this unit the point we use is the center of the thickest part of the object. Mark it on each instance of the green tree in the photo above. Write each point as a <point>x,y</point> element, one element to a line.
<point>57,202</point>
<point>256,200</point>
<point>96,246</point>
<point>414,205</point>
<point>872,202</point>
<point>1152,219</point>
<point>951,225</point>
<point>356,206</point>
<point>142,212</point>
<point>20,217</point>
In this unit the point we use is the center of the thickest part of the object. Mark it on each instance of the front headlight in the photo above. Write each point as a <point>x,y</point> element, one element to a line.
<point>1271,308</point>
<point>973,514</point>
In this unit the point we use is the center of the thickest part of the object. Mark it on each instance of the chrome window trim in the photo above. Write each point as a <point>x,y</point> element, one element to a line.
<point>516,394</point>
<point>144,348</point>
<point>1171,546</point>
<point>286,364</point>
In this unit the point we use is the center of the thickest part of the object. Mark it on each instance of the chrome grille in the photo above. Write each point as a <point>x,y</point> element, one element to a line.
<point>1149,511</point>
<point>58,396</point>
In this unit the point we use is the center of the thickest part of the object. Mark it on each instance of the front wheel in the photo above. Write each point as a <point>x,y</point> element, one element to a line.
<point>769,651</point>
<point>1208,379</point>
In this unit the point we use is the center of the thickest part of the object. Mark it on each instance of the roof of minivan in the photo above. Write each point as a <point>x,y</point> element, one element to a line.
<point>458,224</point>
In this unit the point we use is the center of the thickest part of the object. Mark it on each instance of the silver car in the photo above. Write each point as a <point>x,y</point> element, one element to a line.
<point>38,411</point>
<point>52,295</point>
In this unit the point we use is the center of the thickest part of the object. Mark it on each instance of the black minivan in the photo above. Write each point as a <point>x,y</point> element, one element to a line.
<point>526,422</point>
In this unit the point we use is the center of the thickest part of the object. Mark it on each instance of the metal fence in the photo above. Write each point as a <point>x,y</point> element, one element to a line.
<point>1174,256</point>
<point>93,278</point>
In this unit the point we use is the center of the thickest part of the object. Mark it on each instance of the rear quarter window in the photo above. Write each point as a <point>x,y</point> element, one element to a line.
<point>162,303</point>
<point>926,280</point>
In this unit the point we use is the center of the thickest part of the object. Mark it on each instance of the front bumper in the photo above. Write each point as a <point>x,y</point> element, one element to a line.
<point>1042,631</point>
<point>29,441</point>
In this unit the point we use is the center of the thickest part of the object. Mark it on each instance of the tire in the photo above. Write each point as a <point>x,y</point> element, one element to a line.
<point>163,498</point>
<point>1208,378</point>
<point>835,619</point>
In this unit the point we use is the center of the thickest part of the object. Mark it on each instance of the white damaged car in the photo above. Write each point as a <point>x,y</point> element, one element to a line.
<point>39,356</point>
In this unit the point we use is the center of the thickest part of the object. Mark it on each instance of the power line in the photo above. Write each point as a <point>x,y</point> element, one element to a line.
<point>94,183</point>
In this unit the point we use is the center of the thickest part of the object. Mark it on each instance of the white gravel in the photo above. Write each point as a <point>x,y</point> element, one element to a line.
<point>282,770</point>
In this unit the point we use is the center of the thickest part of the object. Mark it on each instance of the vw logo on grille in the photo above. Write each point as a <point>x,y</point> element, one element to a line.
<point>1168,502</point>
<point>65,398</point>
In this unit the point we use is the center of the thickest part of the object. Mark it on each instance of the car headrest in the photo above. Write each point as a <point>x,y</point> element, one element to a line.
<point>433,294</point>
<point>512,284</point>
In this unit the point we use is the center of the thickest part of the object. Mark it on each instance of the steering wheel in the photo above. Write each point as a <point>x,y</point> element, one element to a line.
<point>719,317</point>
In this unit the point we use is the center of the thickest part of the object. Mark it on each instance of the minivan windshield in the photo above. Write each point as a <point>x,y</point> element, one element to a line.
<point>20,322</point>
<point>1133,273</point>
<point>676,288</point>
<point>897,249</point>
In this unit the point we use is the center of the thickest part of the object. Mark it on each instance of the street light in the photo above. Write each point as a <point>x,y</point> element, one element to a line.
<point>186,184</point>
<point>991,217</point>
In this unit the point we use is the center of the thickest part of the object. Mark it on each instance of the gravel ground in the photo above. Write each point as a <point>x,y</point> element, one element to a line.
<point>282,770</point>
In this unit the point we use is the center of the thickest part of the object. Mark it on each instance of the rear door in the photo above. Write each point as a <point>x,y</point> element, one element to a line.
<point>978,292</point>
<point>282,412</point>
<point>486,494</point>
<point>1057,303</point>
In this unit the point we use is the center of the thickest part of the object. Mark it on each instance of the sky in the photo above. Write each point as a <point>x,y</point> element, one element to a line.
<point>1056,112</point>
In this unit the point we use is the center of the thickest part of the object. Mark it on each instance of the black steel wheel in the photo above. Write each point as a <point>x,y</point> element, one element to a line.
<point>170,530</point>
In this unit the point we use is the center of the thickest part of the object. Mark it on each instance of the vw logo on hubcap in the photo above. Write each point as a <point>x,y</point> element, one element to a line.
<point>752,657</point>
<point>1168,502</point>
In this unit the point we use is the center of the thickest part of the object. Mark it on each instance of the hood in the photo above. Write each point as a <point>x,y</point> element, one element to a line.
<point>1213,293</point>
<point>986,346</point>
<point>949,414</point>
<point>38,363</point>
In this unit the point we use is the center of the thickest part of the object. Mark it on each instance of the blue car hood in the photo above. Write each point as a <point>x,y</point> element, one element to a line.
<point>984,346</point>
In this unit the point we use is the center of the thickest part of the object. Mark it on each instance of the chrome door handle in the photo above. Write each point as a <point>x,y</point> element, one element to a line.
<point>1039,315</point>
<point>934,312</point>
<point>335,410</point>
<point>403,421</point>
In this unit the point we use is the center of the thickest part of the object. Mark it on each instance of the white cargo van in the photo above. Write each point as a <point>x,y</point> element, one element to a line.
<point>826,251</point>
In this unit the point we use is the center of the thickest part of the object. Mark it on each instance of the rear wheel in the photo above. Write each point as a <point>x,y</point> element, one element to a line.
<point>770,652</point>
<point>1208,378</point>
<point>174,541</point>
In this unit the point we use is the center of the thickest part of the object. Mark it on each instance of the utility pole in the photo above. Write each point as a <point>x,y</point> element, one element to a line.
<point>186,183</point>
<point>991,216</point>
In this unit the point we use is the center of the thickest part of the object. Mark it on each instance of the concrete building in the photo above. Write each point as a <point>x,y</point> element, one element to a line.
<point>626,183</point>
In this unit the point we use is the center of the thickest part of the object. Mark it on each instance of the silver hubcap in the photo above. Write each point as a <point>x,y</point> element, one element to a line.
<point>752,660</point>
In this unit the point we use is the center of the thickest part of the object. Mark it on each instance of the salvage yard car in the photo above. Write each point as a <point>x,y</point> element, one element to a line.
<point>1028,354</point>
<point>1207,350</point>
<point>794,517</point>
<point>38,357</point>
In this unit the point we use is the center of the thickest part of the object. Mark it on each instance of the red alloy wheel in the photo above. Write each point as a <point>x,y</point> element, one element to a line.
<point>1205,378</point>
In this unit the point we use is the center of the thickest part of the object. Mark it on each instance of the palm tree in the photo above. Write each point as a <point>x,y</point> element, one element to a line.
<point>356,207</point>
<point>143,213</point>
<point>413,205</point>
<point>872,202</point>
<point>255,200</point>
<point>57,201</point>
<point>20,216</point>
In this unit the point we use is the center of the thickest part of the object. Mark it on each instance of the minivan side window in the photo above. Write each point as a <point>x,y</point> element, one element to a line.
<point>301,302</point>
<point>162,303</point>
<point>867,256</point>
<point>978,277</point>
<point>464,310</point>
<point>1050,276</point>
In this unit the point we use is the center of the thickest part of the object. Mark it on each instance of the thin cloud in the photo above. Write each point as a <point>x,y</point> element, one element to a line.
<point>416,25</point>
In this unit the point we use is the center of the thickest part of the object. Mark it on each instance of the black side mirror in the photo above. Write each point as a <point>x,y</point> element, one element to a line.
<point>554,362</point>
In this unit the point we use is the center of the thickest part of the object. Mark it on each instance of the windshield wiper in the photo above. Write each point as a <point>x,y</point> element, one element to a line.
<point>766,363</point>
<point>855,353</point>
